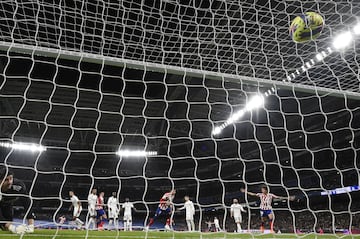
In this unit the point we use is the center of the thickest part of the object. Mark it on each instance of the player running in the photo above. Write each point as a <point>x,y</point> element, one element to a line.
<point>92,200</point>
<point>235,212</point>
<point>113,207</point>
<point>100,211</point>
<point>165,208</point>
<point>128,206</point>
<point>266,199</point>
<point>77,208</point>
<point>190,212</point>
<point>217,225</point>
<point>10,188</point>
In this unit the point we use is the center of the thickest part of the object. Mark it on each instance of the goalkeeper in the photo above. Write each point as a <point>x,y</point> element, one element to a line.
<point>9,193</point>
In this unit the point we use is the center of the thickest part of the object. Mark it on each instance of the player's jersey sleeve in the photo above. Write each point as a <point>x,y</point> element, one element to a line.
<point>273,195</point>
<point>193,207</point>
<point>232,208</point>
<point>75,200</point>
<point>165,197</point>
<point>259,194</point>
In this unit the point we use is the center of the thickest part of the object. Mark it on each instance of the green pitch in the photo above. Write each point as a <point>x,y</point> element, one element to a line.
<point>69,234</point>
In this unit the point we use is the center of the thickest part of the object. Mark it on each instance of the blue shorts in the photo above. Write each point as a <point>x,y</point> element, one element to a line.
<point>160,211</point>
<point>265,213</point>
<point>100,212</point>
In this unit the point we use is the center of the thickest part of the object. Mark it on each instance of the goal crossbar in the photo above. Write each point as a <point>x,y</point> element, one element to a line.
<point>156,67</point>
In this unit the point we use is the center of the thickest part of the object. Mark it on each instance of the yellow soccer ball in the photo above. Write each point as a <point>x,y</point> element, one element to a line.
<point>306,27</point>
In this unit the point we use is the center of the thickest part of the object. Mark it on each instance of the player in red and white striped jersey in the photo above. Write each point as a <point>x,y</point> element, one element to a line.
<point>100,203</point>
<point>165,208</point>
<point>266,211</point>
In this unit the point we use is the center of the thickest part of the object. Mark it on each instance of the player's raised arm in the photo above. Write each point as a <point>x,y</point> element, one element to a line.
<point>290,198</point>
<point>249,193</point>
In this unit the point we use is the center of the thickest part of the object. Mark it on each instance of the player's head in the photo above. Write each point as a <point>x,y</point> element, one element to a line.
<point>71,193</point>
<point>113,194</point>
<point>101,194</point>
<point>173,192</point>
<point>235,201</point>
<point>94,191</point>
<point>127,200</point>
<point>6,178</point>
<point>264,189</point>
<point>186,198</point>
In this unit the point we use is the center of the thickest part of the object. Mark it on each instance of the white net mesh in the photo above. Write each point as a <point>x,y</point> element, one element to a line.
<point>83,109</point>
<point>247,38</point>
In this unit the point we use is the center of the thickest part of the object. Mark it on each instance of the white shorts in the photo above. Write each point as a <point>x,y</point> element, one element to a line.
<point>77,211</point>
<point>113,213</point>
<point>92,212</point>
<point>127,217</point>
<point>189,219</point>
<point>238,219</point>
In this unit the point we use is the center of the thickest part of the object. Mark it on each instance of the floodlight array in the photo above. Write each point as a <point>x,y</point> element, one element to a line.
<point>135,153</point>
<point>255,102</point>
<point>23,146</point>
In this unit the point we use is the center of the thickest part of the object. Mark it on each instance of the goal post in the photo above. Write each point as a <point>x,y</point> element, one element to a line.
<point>120,62</point>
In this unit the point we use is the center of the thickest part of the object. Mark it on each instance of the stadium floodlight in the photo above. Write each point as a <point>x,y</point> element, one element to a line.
<point>135,153</point>
<point>216,131</point>
<point>235,117</point>
<point>320,56</point>
<point>255,102</point>
<point>23,146</point>
<point>343,40</point>
<point>356,29</point>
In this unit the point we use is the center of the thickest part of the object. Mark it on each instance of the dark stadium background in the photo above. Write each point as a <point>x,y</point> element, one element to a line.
<point>173,115</point>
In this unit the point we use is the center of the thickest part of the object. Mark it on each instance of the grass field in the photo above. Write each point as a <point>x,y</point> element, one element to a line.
<point>152,235</point>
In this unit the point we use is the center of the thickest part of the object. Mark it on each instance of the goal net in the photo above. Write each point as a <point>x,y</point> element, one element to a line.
<point>205,97</point>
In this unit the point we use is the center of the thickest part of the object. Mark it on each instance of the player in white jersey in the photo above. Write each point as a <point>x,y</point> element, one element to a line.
<point>266,211</point>
<point>217,225</point>
<point>235,212</point>
<point>113,207</point>
<point>128,207</point>
<point>190,212</point>
<point>92,199</point>
<point>77,208</point>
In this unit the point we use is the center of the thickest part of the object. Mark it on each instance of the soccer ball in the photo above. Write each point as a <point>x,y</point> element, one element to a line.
<point>306,27</point>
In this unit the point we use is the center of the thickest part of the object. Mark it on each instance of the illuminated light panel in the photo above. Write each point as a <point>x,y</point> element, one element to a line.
<point>255,102</point>
<point>342,40</point>
<point>135,153</point>
<point>356,29</point>
<point>341,190</point>
<point>23,146</point>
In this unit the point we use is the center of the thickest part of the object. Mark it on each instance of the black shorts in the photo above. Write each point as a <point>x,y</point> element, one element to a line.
<point>6,214</point>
